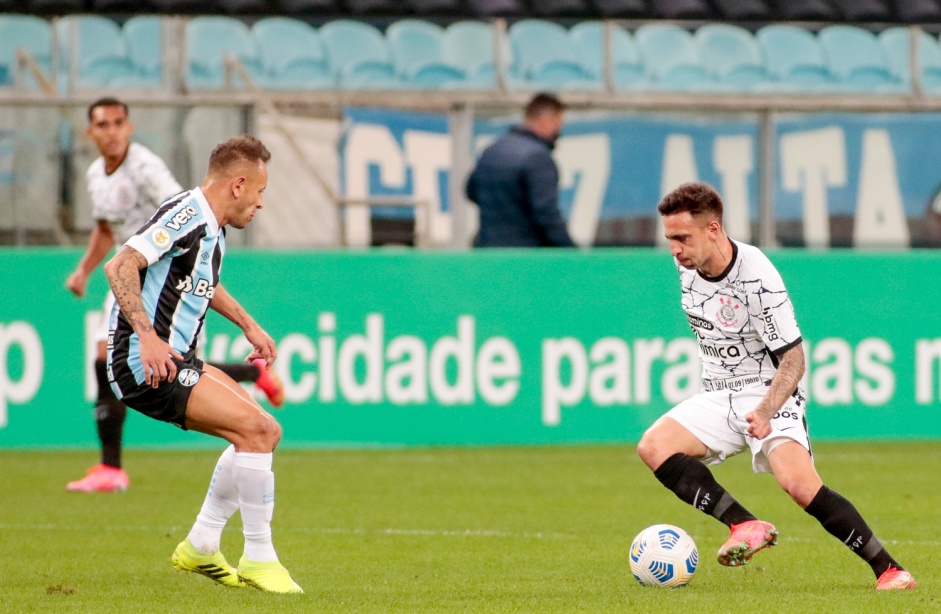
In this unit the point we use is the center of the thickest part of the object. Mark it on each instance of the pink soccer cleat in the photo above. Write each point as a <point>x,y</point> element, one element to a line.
<point>895,579</point>
<point>101,478</point>
<point>746,539</point>
<point>269,383</point>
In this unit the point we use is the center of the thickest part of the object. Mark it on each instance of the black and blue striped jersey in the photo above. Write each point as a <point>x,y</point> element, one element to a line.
<point>184,246</point>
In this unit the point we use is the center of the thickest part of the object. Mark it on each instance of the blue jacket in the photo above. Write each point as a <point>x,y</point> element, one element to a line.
<point>516,188</point>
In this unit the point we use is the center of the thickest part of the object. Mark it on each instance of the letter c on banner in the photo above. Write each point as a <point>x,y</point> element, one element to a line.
<point>23,390</point>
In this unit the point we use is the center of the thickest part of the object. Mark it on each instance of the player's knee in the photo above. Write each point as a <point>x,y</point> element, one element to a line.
<point>264,431</point>
<point>801,491</point>
<point>649,449</point>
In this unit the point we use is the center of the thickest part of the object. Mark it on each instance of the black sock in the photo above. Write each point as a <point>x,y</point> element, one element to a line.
<point>109,417</point>
<point>691,481</point>
<point>240,372</point>
<point>841,520</point>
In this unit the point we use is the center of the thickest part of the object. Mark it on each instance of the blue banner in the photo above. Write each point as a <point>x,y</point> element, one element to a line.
<point>840,179</point>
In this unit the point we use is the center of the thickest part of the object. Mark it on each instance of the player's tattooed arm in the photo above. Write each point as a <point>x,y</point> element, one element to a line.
<point>783,384</point>
<point>123,273</point>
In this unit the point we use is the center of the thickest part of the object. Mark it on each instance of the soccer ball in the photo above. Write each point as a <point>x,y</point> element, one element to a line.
<point>663,555</point>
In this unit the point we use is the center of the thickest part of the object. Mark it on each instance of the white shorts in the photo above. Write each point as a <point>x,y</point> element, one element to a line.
<point>101,331</point>
<point>718,420</point>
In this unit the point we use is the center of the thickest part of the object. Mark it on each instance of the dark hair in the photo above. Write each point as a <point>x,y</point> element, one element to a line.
<point>695,198</point>
<point>107,101</point>
<point>543,102</point>
<point>245,148</point>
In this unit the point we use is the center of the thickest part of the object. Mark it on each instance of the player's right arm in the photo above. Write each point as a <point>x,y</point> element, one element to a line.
<point>99,244</point>
<point>156,355</point>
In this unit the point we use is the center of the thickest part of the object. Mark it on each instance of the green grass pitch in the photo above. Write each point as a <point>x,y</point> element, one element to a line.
<point>525,529</point>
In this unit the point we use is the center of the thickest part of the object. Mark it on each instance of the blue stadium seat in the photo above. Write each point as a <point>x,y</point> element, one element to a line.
<point>671,57</point>
<point>142,37</point>
<point>30,34</point>
<point>896,43</point>
<point>100,54</point>
<point>857,59</point>
<point>469,46</point>
<point>359,56</point>
<point>546,57</point>
<point>209,41</point>
<point>626,62</point>
<point>731,56</point>
<point>292,55</point>
<point>795,58</point>
<point>418,52</point>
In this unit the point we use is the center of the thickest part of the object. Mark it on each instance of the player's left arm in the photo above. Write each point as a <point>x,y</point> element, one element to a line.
<point>783,384</point>
<point>226,305</point>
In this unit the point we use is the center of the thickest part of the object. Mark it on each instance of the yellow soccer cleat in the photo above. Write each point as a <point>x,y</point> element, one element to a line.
<point>270,576</point>
<point>189,559</point>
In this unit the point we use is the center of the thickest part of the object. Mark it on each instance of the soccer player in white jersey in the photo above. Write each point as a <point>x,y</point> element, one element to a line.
<point>751,397</point>
<point>164,279</point>
<point>126,184</point>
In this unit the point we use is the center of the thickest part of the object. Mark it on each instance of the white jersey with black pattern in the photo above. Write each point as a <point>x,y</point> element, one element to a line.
<point>130,195</point>
<point>743,319</point>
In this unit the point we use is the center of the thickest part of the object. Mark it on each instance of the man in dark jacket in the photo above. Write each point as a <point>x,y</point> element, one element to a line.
<point>516,183</point>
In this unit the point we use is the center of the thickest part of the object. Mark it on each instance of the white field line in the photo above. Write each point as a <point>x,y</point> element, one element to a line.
<point>396,532</point>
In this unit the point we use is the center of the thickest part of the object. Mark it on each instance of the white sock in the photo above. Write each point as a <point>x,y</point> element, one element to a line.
<point>254,483</point>
<point>220,503</point>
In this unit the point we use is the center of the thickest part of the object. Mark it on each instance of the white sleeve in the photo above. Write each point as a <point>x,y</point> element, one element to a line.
<point>157,183</point>
<point>773,314</point>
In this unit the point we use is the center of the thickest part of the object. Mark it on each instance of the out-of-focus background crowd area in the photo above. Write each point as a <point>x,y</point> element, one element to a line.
<point>817,119</point>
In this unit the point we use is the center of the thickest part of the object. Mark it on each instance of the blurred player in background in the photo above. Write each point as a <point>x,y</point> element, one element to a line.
<point>164,279</point>
<point>752,398</point>
<point>126,184</point>
<point>516,182</point>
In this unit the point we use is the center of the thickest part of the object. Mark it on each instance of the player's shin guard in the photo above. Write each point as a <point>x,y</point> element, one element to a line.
<point>691,481</point>
<point>254,483</point>
<point>220,503</point>
<point>842,520</point>
<point>110,414</point>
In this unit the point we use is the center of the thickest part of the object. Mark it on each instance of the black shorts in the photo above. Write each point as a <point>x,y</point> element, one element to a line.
<point>167,402</point>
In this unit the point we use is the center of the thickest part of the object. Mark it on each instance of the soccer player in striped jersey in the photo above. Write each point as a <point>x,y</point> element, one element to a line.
<point>751,397</point>
<point>126,185</point>
<point>164,279</point>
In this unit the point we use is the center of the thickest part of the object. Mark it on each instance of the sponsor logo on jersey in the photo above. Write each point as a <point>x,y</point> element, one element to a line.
<point>160,237</point>
<point>697,322</point>
<point>720,351</point>
<point>202,287</point>
<point>181,217</point>
<point>772,331</point>
<point>730,312</point>
<point>188,377</point>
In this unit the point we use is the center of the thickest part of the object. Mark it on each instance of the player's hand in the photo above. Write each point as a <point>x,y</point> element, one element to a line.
<point>759,424</point>
<point>157,356</point>
<point>263,345</point>
<point>76,283</point>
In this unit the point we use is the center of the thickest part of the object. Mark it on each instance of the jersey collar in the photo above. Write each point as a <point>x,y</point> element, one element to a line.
<point>728,268</point>
<point>211,220</point>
